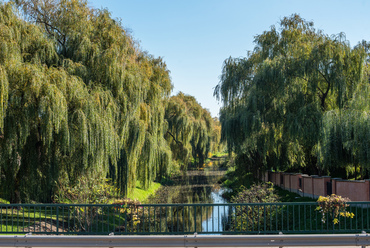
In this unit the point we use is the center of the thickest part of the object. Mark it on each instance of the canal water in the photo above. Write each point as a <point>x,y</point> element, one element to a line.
<point>198,187</point>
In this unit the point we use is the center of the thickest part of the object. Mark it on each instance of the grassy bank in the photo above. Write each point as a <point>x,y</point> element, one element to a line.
<point>235,182</point>
<point>287,196</point>
<point>142,195</point>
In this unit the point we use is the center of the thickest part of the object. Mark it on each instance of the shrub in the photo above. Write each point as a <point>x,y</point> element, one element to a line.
<point>87,191</point>
<point>335,206</point>
<point>257,193</point>
<point>251,217</point>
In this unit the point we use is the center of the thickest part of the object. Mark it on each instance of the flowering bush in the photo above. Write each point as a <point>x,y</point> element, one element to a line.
<point>335,206</point>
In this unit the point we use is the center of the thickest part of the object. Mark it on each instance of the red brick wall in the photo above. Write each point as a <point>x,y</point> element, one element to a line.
<point>295,181</point>
<point>313,186</point>
<point>319,186</point>
<point>354,190</point>
<point>287,181</point>
<point>277,180</point>
<point>273,176</point>
<point>307,186</point>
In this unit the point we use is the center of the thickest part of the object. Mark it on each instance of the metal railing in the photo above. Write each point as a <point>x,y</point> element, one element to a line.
<point>179,219</point>
<point>336,240</point>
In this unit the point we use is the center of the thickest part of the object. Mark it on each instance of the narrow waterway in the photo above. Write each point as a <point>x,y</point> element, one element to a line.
<point>198,187</point>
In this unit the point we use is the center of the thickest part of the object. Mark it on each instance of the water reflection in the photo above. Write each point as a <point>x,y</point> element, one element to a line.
<point>216,222</point>
<point>194,187</point>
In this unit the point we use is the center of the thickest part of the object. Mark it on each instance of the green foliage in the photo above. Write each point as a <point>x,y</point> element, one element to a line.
<point>257,193</point>
<point>287,196</point>
<point>282,104</point>
<point>85,99</point>
<point>220,155</point>
<point>80,99</point>
<point>141,195</point>
<point>246,215</point>
<point>88,191</point>
<point>191,133</point>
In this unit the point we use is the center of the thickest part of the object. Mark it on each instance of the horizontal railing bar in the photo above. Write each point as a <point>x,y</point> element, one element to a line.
<point>180,219</point>
<point>174,204</point>
<point>187,241</point>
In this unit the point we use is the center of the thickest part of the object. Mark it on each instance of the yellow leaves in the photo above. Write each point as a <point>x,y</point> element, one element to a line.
<point>347,215</point>
<point>335,221</point>
<point>335,206</point>
<point>322,199</point>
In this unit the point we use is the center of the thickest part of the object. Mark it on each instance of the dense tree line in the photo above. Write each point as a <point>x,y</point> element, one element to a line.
<point>79,99</point>
<point>298,102</point>
<point>191,129</point>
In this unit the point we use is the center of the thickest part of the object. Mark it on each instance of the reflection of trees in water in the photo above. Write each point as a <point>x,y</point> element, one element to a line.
<point>194,187</point>
<point>174,218</point>
<point>190,188</point>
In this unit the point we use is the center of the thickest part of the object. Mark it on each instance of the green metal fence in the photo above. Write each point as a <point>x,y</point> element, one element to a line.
<point>257,218</point>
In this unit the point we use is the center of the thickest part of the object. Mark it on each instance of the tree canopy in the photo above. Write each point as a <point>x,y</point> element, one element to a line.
<point>281,103</point>
<point>80,98</point>
<point>191,130</point>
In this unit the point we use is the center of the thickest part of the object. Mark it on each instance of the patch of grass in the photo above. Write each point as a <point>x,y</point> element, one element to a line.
<point>220,155</point>
<point>142,195</point>
<point>287,196</point>
<point>236,182</point>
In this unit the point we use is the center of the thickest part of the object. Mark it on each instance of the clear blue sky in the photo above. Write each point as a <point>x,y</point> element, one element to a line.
<point>195,36</point>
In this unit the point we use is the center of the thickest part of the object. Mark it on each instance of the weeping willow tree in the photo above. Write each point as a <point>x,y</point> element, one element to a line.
<point>217,144</point>
<point>345,134</point>
<point>190,129</point>
<point>78,98</point>
<point>275,99</point>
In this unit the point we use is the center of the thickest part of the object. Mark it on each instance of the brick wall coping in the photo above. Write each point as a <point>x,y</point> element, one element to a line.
<point>352,181</point>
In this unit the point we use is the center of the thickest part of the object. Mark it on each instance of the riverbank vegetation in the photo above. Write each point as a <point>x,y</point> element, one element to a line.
<point>83,106</point>
<point>247,187</point>
<point>298,103</point>
<point>241,184</point>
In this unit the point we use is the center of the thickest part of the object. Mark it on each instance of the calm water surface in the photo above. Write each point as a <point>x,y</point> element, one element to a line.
<point>198,186</point>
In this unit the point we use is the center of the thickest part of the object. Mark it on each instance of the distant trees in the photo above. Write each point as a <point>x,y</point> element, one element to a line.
<point>190,129</point>
<point>80,99</point>
<point>297,102</point>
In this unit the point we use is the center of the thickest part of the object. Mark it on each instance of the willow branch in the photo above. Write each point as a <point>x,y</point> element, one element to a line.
<point>178,142</point>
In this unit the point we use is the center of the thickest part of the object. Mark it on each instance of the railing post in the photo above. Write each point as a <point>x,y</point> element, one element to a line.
<point>57,219</point>
<point>264,218</point>
<point>195,218</point>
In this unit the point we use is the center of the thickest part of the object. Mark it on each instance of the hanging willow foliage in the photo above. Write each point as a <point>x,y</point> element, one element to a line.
<point>276,98</point>
<point>190,129</point>
<point>78,98</point>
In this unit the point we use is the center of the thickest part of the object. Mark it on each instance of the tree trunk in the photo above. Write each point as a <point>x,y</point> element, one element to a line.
<point>16,195</point>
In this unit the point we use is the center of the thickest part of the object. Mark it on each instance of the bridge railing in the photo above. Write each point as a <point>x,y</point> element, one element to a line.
<point>147,219</point>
